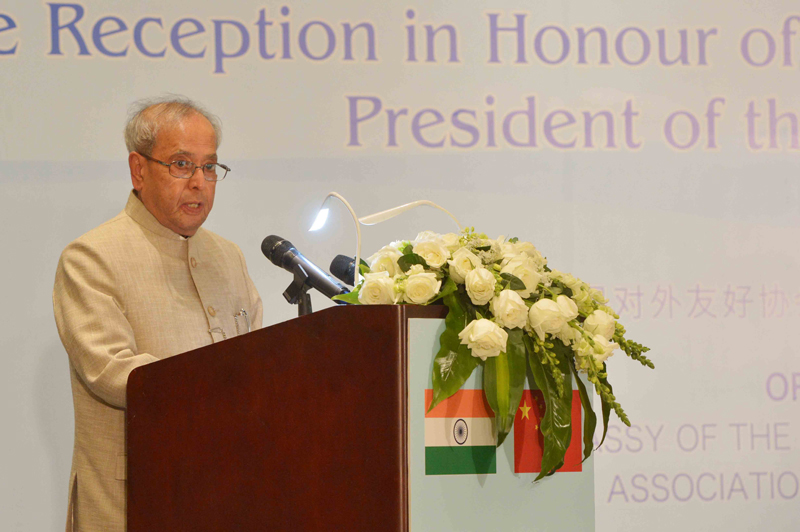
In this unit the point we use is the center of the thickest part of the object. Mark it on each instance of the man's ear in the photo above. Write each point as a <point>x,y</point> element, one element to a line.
<point>136,163</point>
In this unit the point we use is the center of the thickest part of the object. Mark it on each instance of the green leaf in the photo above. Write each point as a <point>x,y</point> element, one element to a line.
<point>503,381</point>
<point>351,298</point>
<point>448,288</point>
<point>606,407</point>
<point>454,362</point>
<point>474,312</point>
<point>363,267</point>
<point>513,240</point>
<point>483,248</point>
<point>514,282</point>
<point>557,420</point>
<point>408,249</point>
<point>589,417</point>
<point>406,261</point>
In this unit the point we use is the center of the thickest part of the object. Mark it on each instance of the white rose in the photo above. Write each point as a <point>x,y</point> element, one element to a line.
<point>464,261</point>
<point>484,338</point>
<point>600,352</point>
<point>597,295</point>
<point>524,268</point>
<point>545,317</point>
<point>434,253</point>
<point>511,250</point>
<point>583,299</point>
<point>377,289</point>
<point>603,348</point>
<point>424,236</point>
<point>480,284</point>
<point>582,349</point>
<point>509,310</point>
<point>568,307</point>
<point>422,287</point>
<point>569,280</point>
<point>451,241</point>
<point>414,269</point>
<point>569,335</point>
<point>600,323</point>
<point>385,260</point>
<point>489,256</point>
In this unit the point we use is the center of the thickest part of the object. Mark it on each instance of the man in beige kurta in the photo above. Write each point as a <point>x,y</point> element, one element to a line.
<point>146,285</point>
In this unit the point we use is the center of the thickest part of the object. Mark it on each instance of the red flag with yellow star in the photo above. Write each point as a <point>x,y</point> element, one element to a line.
<point>528,438</point>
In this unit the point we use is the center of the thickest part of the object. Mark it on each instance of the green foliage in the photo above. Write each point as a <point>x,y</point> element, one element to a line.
<point>606,414</point>
<point>544,350</point>
<point>634,350</point>
<point>556,423</point>
<point>512,282</point>
<point>454,363</point>
<point>503,382</point>
<point>589,417</point>
<point>448,288</point>
<point>409,259</point>
<point>607,397</point>
<point>350,298</point>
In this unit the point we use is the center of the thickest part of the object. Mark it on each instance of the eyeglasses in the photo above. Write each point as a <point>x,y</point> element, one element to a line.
<point>183,169</point>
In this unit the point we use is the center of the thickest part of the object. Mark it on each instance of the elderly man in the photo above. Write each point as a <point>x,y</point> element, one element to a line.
<point>148,284</point>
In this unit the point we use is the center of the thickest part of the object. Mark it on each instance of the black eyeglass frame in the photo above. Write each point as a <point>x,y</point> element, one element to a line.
<point>194,168</point>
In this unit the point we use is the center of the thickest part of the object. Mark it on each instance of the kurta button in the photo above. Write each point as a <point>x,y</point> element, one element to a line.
<point>211,311</point>
<point>194,262</point>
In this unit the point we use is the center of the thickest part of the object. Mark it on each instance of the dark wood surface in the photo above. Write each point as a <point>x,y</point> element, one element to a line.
<point>298,426</point>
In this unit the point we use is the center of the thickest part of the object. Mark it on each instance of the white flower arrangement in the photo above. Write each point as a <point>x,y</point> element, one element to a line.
<point>507,309</point>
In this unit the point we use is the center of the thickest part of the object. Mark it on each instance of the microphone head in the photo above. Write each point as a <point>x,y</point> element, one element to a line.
<point>274,247</point>
<point>343,268</point>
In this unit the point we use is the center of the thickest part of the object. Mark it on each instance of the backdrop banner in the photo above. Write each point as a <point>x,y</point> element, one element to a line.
<point>649,147</point>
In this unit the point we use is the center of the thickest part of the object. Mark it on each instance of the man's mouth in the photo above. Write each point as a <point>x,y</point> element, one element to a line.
<point>193,208</point>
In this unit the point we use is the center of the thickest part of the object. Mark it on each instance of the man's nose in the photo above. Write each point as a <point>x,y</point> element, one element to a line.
<point>197,179</point>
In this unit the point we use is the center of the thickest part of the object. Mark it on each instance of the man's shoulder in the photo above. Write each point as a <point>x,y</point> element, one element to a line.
<point>110,232</point>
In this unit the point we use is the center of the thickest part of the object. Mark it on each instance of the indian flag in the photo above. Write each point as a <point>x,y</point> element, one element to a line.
<point>459,435</point>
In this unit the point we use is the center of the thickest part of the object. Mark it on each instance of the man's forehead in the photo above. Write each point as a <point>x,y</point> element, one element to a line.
<point>190,135</point>
<point>179,152</point>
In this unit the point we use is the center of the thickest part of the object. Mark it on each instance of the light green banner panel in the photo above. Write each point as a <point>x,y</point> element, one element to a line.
<point>464,500</point>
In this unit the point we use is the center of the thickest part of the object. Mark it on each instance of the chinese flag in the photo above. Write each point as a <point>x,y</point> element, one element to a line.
<point>528,438</point>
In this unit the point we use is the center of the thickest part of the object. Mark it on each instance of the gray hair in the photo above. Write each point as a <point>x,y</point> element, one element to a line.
<point>147,116</point>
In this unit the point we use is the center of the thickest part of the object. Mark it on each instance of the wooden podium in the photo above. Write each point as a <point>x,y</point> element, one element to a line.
<point>315,424</point>
<point>298,426</point>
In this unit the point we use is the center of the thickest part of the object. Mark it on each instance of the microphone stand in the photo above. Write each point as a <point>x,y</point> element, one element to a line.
<point>297,292</point>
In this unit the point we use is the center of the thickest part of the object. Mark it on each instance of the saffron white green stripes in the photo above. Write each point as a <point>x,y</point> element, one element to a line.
<point>460,435</point>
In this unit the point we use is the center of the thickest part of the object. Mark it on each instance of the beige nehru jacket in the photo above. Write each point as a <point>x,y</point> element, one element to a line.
<point>128,293</point>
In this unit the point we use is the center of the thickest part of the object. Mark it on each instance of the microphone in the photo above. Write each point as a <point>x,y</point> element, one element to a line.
<point>282,253</point>
<point>344,269</point>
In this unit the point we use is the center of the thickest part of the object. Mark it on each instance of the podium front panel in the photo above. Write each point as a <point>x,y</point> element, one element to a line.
<point>296,427</point>
<point>459,483</point>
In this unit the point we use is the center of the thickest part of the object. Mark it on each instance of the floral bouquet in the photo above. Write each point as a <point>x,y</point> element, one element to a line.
<point>507,312</point>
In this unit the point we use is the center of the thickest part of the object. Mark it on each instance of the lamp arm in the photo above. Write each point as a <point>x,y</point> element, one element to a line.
<point>382,216</point>
<point>357,271</point>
